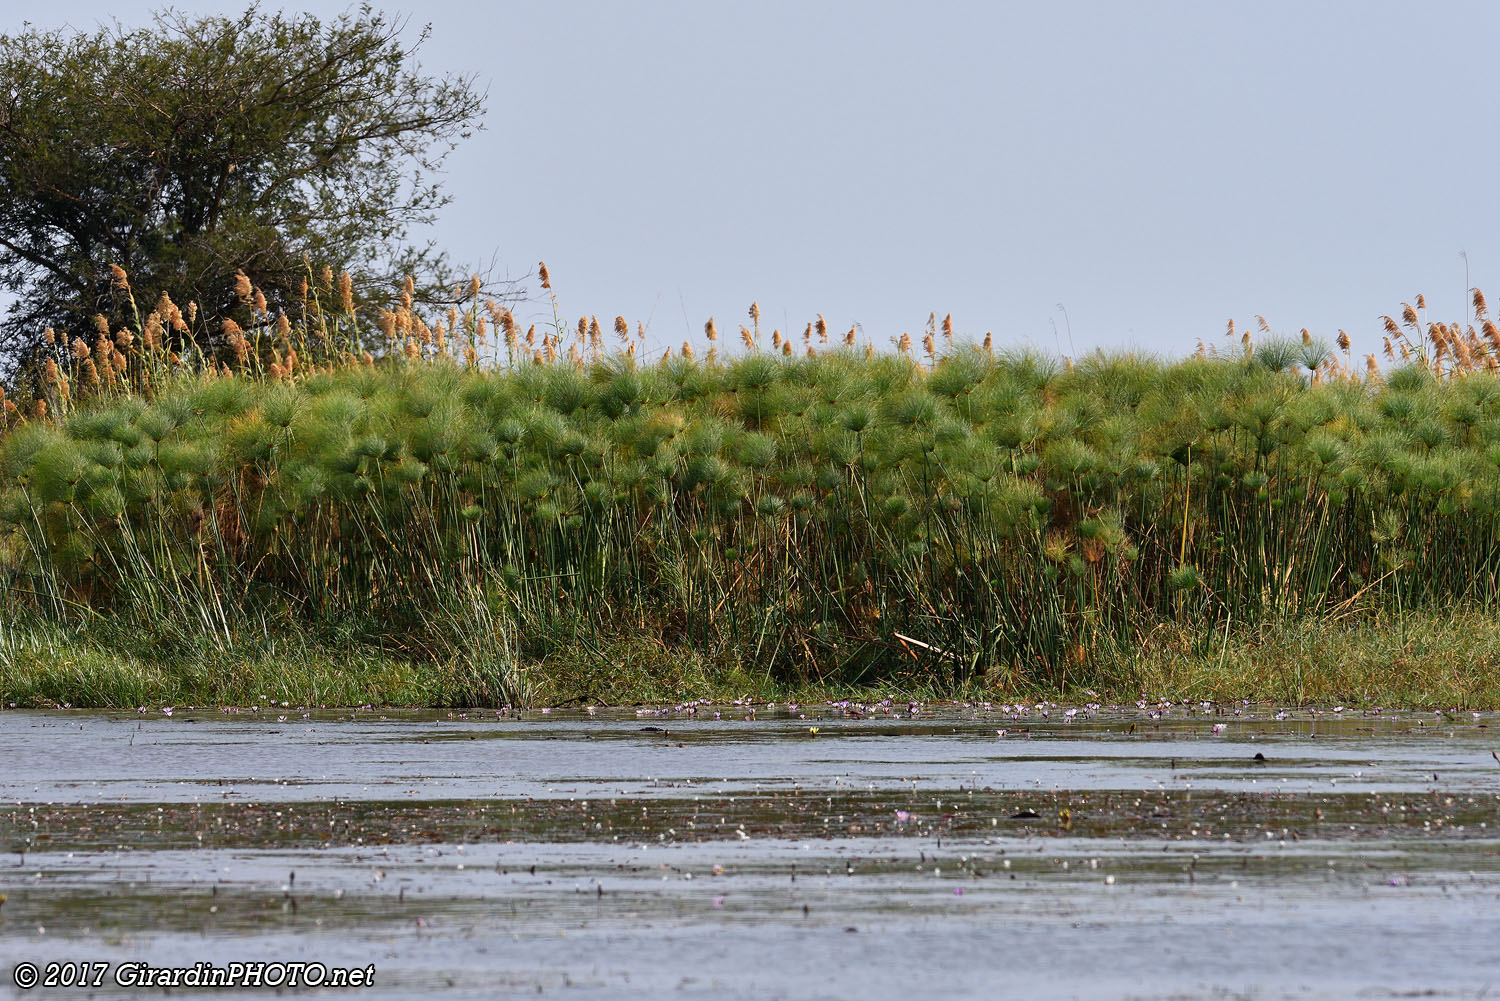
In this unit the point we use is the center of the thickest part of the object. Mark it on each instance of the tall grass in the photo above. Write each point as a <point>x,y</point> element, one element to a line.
<point>480,498</point>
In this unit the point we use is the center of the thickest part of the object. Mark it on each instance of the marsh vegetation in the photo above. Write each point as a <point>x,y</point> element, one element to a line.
<point>457,510</point>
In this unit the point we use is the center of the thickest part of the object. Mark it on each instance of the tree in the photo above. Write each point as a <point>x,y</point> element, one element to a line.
<point>200,147</point>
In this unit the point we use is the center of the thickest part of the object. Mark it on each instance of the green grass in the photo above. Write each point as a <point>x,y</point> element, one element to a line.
<point>43,665</point>
<point>1431,660</point>
<point>421,530</point>
<point>1438,660</point>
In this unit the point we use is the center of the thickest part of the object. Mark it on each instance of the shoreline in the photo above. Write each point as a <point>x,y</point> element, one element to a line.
<point>1419,660</point>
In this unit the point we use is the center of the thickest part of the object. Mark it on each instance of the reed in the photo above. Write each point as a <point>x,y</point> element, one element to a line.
<point>949,520</point>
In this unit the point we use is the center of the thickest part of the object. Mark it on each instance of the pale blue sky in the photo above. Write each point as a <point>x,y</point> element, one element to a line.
<point>1155,167</point>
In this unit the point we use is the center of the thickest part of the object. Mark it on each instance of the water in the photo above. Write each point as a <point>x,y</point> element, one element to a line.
<point>816,852</point>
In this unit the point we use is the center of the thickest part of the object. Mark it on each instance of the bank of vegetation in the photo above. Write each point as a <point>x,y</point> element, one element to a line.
<point>453,510</point>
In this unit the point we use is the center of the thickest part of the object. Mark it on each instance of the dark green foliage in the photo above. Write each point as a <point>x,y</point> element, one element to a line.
<point>834,518</point>
<point>201,146</point>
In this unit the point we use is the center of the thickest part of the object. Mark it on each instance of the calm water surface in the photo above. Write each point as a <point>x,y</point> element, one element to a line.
<point>816,852</point>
